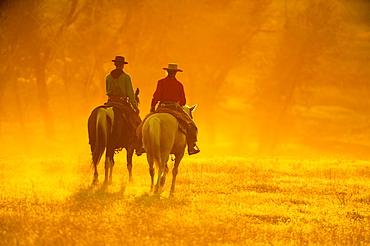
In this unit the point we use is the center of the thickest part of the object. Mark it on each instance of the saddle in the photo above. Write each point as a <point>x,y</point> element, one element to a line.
<point>126,113</point>
<point>184,121</point>
<point>125,109</point>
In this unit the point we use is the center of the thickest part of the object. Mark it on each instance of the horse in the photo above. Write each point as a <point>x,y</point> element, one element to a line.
<point>109,131</point>
<point>162,136</point>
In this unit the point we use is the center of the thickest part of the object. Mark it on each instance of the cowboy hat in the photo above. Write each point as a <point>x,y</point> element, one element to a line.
<point>120,59</point>
<point>172,66</point>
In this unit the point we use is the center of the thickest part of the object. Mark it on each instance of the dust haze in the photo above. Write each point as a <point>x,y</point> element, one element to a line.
<point>269,77</point>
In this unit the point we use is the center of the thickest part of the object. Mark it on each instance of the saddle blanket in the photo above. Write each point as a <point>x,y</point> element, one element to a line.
<point>184,121</point>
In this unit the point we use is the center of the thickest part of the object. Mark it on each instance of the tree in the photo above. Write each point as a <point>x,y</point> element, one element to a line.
<point>34,29</point>
<point>307,35</point>
<point>211,38</point>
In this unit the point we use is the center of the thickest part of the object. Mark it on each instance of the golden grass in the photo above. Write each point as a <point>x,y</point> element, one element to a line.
<point>48,200</point>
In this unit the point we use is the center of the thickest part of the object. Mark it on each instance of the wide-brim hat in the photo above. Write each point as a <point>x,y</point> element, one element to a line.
<point>120,59</point>
<point>173,67</point>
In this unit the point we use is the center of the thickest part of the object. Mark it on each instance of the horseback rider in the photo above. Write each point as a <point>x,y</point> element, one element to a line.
<point>120,93</point>
<point>170,94</point>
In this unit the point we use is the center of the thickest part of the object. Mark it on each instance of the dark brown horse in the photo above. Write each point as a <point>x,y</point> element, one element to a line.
<point>109,131</point>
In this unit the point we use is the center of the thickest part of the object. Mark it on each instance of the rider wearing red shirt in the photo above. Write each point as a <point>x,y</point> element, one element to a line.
<point>169,93</point>
<point>169,90</point>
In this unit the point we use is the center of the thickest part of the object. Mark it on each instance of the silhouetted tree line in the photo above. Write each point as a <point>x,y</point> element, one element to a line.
<point>55,55</point>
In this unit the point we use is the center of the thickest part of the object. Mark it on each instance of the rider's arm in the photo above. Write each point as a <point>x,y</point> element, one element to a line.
<point>108,85</point>
<point>130,92</point>
<point>157,94</point>
<point>182,96</point>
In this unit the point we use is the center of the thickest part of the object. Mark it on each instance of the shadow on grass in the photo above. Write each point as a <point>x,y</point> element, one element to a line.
<point>94,196</point>
<point>100,197</point>
<point>156,200</point>
<point>270,219</point>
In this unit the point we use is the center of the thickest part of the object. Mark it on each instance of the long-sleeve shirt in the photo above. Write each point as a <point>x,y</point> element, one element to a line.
<point>123,80</point>
<point>169,90</point>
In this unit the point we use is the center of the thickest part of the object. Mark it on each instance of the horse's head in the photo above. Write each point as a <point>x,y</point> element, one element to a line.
<point>189,109</point>
<point>137,95</point>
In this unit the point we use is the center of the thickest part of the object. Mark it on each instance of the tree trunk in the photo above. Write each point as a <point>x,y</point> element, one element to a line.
<point>43,96</point>
<point>18,103</point>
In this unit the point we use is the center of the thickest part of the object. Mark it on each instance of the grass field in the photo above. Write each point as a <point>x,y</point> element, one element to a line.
<point>47,200</point>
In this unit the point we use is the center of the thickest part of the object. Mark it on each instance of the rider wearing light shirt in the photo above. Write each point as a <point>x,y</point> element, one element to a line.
<point>119,90</point>
<point>119,85</point>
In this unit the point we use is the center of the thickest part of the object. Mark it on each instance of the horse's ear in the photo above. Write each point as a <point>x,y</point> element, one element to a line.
<point>192,108</point>
<point>137,92</point>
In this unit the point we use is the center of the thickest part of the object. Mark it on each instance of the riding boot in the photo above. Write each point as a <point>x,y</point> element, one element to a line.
<point>191,138</point>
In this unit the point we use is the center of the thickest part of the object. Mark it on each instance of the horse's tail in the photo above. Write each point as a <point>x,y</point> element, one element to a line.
<point>152,142</point>
<point>102,130</point>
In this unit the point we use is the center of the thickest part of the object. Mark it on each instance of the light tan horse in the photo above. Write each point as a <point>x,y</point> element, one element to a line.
<point>161,137</point>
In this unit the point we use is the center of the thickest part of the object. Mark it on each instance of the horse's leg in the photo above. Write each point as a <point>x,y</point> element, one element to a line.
<point>160,173</point>
<point>96,175</point>
<point>108,166</point>
<point>151,172</point>
<point>175,170</point>
<point>130,152</point>
<point>111,169</point>
<point>165,171</point>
